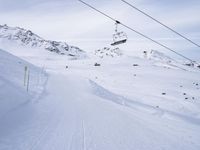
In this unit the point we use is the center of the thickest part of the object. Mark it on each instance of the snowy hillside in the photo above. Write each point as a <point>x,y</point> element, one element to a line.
<point>13,91</point>
<point>27,38</point>
<point>108,101</point>
<point>125,103</point>
<point>158,56</point>
<point>161,59</point>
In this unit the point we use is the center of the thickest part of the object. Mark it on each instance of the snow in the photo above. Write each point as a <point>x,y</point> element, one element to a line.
<point>125,103</point>
<point>16,36</point>
<point>13,92</point>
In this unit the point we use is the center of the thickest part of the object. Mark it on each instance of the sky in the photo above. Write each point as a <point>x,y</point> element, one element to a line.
<point>71,21</point>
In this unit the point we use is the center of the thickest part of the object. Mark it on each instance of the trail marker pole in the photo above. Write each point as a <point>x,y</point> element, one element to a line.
<point>27,88</point>
<point>25,74</point>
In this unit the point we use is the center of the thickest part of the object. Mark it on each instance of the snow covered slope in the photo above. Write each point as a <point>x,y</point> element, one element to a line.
<point>13,92</point>
<point>125,103</point>
<point>20,36</point>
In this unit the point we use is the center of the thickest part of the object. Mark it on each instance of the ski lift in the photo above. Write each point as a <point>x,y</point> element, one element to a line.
<point>119,37</point>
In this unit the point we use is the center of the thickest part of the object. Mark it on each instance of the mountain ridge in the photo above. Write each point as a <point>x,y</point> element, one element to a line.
<point>28,38</point>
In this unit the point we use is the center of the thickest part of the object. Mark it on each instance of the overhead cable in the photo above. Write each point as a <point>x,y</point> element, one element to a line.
<point>139,33</point>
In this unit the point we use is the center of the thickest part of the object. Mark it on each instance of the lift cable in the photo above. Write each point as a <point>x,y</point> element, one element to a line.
<point>141,34</point>
<point>156,20</point>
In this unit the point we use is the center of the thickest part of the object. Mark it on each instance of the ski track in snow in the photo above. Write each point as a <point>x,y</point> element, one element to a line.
<point>67,117</point>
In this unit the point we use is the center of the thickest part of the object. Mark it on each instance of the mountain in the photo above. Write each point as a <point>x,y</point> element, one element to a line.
<point>29,39</point>
<point>108,52</point>
<point>159,56</point>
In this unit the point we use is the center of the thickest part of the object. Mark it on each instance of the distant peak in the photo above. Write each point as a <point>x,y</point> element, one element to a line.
<point>25,37</point>
<point>108,52</point>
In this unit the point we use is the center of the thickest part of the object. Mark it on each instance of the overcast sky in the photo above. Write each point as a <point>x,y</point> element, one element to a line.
<point>71,21</point>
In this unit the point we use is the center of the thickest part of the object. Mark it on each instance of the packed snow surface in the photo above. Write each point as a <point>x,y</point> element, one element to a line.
<point>125,103</point>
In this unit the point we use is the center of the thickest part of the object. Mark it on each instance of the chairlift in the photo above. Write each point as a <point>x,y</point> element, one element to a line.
<point>118,37</point>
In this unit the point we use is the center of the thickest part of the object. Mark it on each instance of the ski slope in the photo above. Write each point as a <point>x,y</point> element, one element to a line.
<point>125,103</point>
<point>13,91</point>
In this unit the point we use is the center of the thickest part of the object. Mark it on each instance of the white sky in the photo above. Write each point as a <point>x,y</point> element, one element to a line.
<point>71,21</point>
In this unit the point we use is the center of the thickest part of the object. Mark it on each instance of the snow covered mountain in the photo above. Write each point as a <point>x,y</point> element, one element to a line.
<point>28,39</point>
<point>161,59</point>
<point>108,52</point>
<point>158,56</point>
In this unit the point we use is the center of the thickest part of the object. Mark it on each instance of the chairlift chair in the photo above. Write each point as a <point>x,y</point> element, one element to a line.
<point>118,37</point>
